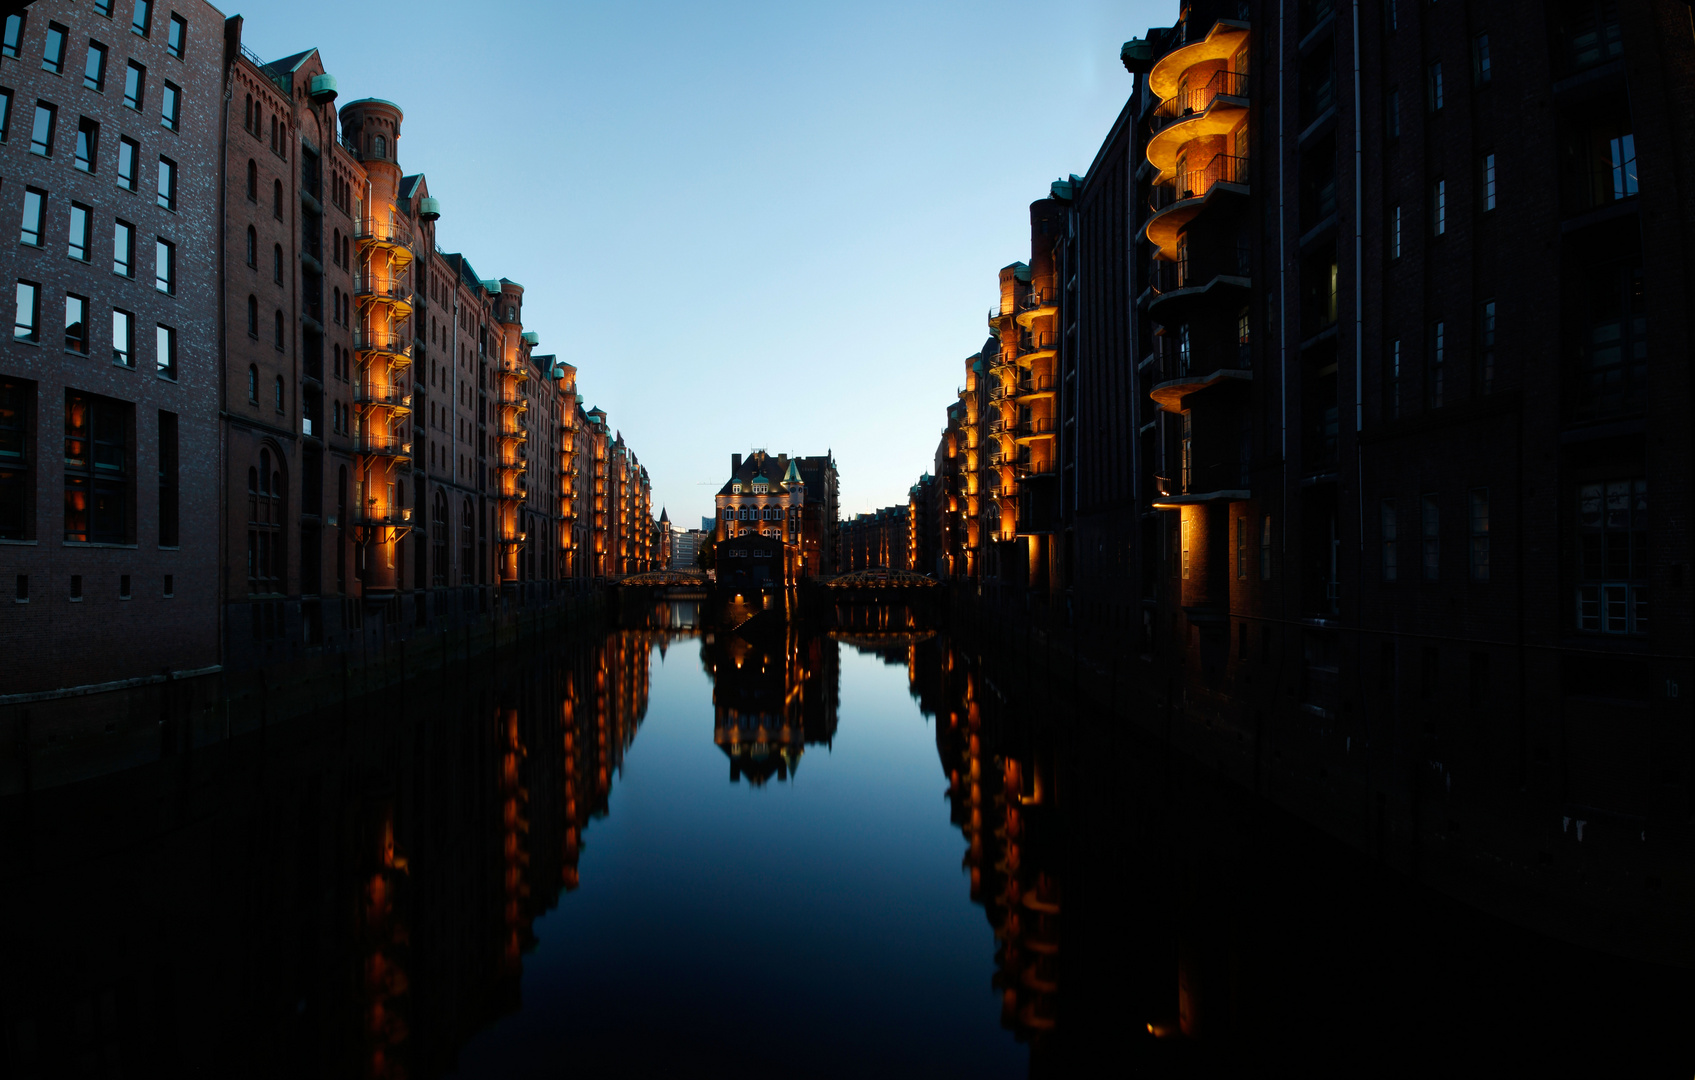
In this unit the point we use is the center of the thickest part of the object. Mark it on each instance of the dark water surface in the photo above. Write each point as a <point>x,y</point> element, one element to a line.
<point>785,853</point>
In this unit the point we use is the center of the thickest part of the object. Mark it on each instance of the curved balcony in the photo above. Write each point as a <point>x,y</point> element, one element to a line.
<point>1191,101</point>
<point>1040,304</point>
<point>1042,345</point>
<point>1167,303</point>
<point>519,404</point>
<point>1223,41</point>
<point>1036,388</point>
<point>1170,393</point>
<point>1037,427</point>
<point>393,235</point>
<point>386,446</point>
<point>1179,202</point>
<point>390,397</point>
<point>392,290</point>
<point>1221,118</point>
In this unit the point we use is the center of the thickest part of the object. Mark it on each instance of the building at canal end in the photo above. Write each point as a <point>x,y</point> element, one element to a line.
<point>792,500</point>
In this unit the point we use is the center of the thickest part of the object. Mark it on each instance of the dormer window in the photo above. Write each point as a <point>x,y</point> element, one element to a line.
<point>736,487</point>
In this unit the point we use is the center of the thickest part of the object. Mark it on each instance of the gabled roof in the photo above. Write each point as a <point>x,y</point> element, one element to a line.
<point>292,63</point>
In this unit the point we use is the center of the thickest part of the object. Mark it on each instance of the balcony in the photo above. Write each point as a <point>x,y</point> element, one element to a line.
<point>389,446</point>
<point>1223,41</point>
<point>387,397</point>
<point>517,436</point>
<point>1042,345</point>
<point>393,290</point>
<point>1191,101</point>
<point>1028,469</point>
<point>1179,201</point>
<point>393,235</point>
<point>1036,386</point>
<point>392,517</point>
<point>1169,394</point>
<point>1038,305</point>
<point>1037,427</point>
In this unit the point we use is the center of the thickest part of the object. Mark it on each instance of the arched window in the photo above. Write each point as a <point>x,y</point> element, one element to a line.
<point>280,344</point>
<point>247,114</point>
<point>266,491</point>
<point>277,263</point>
<point>252,247</point>
<point>335,248</point>
<point>273,133</point>
<point>379,147</point>
<point>252,180</point>
<point>253,321</point>
<point>253,398</point>
<point>276,198</point>
<point>279,387</point>
<point>336,309</point>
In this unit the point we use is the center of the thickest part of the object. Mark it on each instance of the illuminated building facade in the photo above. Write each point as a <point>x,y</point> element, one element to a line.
<point>881,538</point>
<point>791,500</point>
<point>772,696</point>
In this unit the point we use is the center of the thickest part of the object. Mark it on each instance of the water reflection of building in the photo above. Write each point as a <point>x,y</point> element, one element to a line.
<point>773,694</point>
<point>1001,797</point>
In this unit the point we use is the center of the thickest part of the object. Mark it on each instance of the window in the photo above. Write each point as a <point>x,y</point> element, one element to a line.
<point>277,199</point>
<point>1614,338</point>
<point>142,21</point>
<point>123,338</point>
<point>252,247</point>
<point>135,85</point>
<point>167,183</point>
<point>165,345</point>
<point>76,587</point>
<point>1487,188</point>
<point>1439,208</point>
<point>17,449</point>
<point>5,113</point>
<point>123,249</point>
<point>1612,556</point>
<point>1621,152</point>
<point>279,394</point>
<point>94,68</point>
<point>35,212</point>
<point>27,322</point>
<point>1435,89</point>
<point>1430,526</point>
<point>164,266</point>
<point>103,7</point>
<point>41,134</point>
<point>97,468</point>
<point>170,105</point>
<point>167,484</point>
<point>129,154</point>
<point>178,37</point>
<point>279,337</point>
<point>277,263</point>
<point>1435,375</point>
<point>266,494</point>
<point>253,384</point>
<point>1480,534</point>
<point>1395,233</point>
<point>1480,68</point>
<point>1265,547</point>
<point>88,144</point>
<point>53,53</point>
<point>76,324</point>
<point>253,319</point>
<point>170,581</point>
<point>252,181</point>
<point>14,35</point>
<point>1486,346</point>
<point>123,586</point>
<point>1392,382</point>
<point>1391,560</point>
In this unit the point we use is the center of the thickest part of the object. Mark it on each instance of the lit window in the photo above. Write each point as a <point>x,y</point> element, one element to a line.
<point>1622,151</point>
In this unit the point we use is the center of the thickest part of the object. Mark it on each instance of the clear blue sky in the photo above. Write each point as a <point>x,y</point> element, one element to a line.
<point>747,224</point>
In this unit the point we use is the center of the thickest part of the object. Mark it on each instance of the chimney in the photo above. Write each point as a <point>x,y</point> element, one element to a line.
<point>735,464</point>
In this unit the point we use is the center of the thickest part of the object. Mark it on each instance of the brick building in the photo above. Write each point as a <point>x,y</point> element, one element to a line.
<point>793,499</point>
<point>318,430</point>
<point>1372,399</point>
<point>109,159</point>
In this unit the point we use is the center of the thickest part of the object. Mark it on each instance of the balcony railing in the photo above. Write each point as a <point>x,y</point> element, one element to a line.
<point>383,446</point>
<point>1039,342</point>
<point>398,287</point>
<point>1039,468</point>
<point>366,339</point>
<point>1192,183</point>
<point>393,232</point>
<point>1191,101</point>
<point>393,397</point>
<point>1036,425</point>
<point>1038,384</point>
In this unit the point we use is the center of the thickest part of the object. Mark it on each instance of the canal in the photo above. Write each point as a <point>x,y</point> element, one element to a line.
<point>673,851</point>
